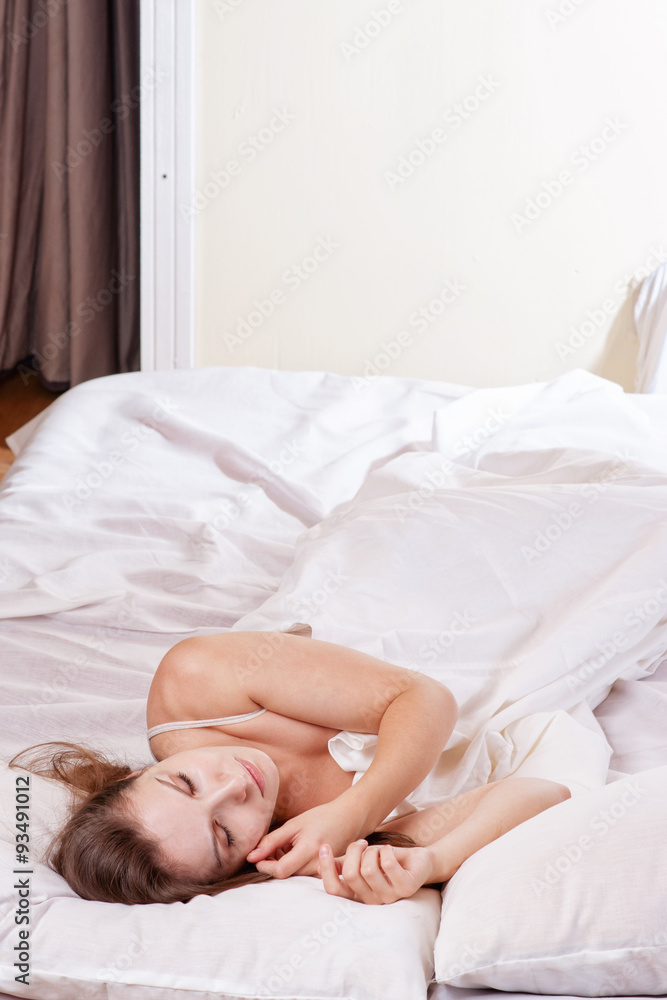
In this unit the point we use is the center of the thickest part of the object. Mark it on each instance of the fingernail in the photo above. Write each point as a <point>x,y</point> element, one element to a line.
<point>324,851</point>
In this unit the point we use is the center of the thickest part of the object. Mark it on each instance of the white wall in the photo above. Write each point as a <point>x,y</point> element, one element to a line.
<point>505,96</point>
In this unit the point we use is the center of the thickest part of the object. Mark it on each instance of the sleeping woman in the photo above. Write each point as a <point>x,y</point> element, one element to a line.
<point>256,795</point>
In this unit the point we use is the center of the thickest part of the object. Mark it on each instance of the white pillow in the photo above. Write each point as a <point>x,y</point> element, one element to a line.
<point>573,901</point>
<point>283,939</point>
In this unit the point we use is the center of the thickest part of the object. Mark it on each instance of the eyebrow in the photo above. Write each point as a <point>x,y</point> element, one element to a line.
<point>214,842</point>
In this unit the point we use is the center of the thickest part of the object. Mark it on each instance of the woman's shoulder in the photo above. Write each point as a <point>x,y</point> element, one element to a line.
<point>180,688</point>
<point>204,677</point>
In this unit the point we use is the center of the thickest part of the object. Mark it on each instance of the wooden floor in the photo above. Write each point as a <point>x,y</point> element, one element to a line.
<point>21,399</point>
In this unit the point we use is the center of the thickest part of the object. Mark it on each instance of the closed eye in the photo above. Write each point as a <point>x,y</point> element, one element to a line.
<point>188,781</point>
<point>230,839</point>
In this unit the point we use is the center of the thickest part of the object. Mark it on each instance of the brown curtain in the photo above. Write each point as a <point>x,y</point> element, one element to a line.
<point>69,188</point>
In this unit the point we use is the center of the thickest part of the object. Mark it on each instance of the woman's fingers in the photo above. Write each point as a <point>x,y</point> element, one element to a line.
<point>363,871</point>
<point>369,874</point>
<point>268,845</point>
<point>369,877</point>
<point>261,851</point>
<point>382,878</point>
<point>330,874</point>
<point>289,862</point>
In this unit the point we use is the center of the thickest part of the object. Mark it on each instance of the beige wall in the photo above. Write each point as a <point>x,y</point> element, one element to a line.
<point>365,172</point>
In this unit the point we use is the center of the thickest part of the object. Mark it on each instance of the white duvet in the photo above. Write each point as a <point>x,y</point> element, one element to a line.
<point>510,542</point>
<point>527,573</point>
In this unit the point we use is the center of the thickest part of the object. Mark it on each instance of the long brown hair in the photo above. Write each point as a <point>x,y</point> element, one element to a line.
<point>102,854</point>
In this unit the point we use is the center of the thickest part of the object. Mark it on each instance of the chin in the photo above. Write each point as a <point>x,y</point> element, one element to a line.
<point>266,762</point>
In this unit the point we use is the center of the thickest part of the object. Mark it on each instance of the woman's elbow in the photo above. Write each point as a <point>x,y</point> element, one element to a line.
<point>551,792</point>
<point>449,708</point>
<point>450,702</point>
<point>564,792</point>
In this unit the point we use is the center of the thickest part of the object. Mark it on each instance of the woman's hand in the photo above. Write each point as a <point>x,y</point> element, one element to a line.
<point>293,848</point>
<point>376,874</point>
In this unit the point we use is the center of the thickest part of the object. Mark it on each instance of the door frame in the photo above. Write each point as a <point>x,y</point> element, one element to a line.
<point>168,133</point>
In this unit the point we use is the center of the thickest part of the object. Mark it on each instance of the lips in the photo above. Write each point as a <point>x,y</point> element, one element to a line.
<point>255,774</point>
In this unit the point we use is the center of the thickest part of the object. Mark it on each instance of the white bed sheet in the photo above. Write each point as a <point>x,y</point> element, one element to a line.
<point>151,506</point>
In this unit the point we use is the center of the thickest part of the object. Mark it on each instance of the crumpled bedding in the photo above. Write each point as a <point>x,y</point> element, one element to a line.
<point>527,574</point>
<point>508,541</point>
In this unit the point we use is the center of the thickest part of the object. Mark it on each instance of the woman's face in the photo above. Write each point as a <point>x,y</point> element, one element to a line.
<point>205,808</point>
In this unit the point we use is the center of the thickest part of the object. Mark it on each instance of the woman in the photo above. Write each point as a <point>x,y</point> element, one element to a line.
<point>255,794</point>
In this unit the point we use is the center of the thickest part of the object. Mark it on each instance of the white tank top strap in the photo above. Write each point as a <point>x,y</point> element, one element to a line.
<point>296,628</point>
<point>193,724</point>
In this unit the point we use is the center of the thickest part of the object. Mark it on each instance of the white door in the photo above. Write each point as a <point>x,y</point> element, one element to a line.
<point>168,136</point>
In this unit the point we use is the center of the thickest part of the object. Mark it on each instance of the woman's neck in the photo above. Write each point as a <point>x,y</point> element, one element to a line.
<point>295,789</point>
<point>306,781</point>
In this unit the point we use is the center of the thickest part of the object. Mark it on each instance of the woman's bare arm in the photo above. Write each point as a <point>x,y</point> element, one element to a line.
<point>380,874</point>
<point>511,798</point>
<point>425,826</point>
<point>507,803</point>
<point>325,684</point>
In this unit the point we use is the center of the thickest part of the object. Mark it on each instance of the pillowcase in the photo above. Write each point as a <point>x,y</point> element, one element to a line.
<point>281,939</point>
<point>573,901</point>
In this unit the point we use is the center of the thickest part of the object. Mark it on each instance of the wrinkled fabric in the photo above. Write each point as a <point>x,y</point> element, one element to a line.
<point>428,524</point>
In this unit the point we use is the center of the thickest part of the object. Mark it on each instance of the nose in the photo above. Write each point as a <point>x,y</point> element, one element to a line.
<point>229,787</point>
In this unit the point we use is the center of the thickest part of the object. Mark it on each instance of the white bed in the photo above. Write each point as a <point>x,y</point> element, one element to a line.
<point>511,542</point>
